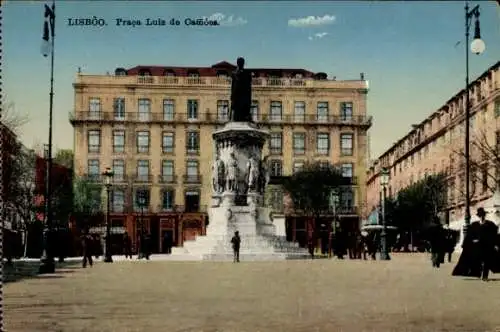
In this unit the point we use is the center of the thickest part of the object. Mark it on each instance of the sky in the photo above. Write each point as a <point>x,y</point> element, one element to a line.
<point>407,50</point>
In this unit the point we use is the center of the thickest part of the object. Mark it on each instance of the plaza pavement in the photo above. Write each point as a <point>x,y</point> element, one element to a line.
<point>404,294</point>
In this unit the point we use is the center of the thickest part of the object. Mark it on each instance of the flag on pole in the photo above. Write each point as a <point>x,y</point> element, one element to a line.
<point>48,30</point>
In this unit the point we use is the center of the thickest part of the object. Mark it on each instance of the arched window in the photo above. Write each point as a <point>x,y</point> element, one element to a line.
<point>193,74</point>
<point>120,72</point>
<point>222,73</point>
<point>169,73</point>
<point>144,72</point>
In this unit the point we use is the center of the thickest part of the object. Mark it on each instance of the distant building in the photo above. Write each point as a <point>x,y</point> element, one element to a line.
<point>153,126</point>
<point>437,145</point>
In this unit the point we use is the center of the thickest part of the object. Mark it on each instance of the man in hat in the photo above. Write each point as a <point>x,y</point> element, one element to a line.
<point>437,239</point>
<point>487,241</point>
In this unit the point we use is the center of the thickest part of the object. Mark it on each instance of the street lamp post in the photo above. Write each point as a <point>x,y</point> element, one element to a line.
<point>477,46</point>
<point>108,175</point>
<point>384,181</point>
<point>47,260</point>
<point>142,203</point>
<point>334,200</point>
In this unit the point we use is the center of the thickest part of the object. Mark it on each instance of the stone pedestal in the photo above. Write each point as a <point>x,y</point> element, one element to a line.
<point>239,145</point>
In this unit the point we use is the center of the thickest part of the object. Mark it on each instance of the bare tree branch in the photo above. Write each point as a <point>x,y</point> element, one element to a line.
<point>487,160</point>
<point>10,117</point>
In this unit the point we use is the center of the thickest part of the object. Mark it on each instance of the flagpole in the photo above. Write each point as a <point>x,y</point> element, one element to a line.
<point>47,260</point>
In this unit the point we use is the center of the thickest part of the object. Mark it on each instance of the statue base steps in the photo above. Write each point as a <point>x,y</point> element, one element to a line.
<point>257,233</point>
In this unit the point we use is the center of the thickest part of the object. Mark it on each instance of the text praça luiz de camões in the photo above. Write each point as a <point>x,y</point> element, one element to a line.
<point>95,21</point>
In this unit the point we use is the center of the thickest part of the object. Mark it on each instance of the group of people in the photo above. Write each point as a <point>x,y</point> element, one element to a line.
<point>480,249</point>
<point>355,245</point>
<point>92,247</point>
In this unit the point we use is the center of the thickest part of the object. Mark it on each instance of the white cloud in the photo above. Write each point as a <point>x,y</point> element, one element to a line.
<point>225,20</point>
<point>311,21</point>
<point>318,35</point>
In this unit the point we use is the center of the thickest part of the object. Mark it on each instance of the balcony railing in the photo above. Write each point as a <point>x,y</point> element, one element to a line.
<point>192,208</point>
<point>350,181</point>
<point>119,178</point>
<point>119,208</point>
<point>143,178</point>
<point>329,210</point>
<point>213,118</point>
<point>218,82</point>
<point>93,177</point>
<point>162,208</point>
<point>164,178</point>
<point>192,178</point>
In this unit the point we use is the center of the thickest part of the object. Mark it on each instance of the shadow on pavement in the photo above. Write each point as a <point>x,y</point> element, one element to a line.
<point>20,270</point>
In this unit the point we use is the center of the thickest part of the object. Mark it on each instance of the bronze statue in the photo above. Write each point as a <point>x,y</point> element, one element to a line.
<point>241,93</point>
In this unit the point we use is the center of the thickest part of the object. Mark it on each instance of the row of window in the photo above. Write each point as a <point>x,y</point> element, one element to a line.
<point>143,142</point>
<point>192,169</point>
<point>141,200</point>
<point>192,199</point>
<point>453,132</point>
<point>192,109</point>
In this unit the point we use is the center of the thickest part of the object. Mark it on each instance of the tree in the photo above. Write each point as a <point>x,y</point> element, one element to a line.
<point>21,187</point>
<point>86,203</point>
<point>12,118</point>
<point>484,162</point>
<point>310,188</point>
<point>417,205</point>
<point>64,157</point>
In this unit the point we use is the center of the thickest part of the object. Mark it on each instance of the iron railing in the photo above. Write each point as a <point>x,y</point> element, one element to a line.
<point>192,179</point>
<point>214,118</point>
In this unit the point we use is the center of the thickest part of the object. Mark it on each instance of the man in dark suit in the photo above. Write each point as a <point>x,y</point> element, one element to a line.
<point>437,239</point>
<point>236,241</point>
<point>487,241</point>
<point>87,248</point>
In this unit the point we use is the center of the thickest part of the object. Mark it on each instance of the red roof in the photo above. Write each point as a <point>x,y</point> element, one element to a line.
<point>222,67</point>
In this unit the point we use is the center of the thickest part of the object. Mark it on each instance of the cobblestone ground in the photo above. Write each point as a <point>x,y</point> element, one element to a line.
<point>405,294</point>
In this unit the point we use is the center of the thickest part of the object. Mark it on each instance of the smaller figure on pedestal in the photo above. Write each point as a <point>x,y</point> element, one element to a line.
<point>264,176</point>
<point>218,176</point>
<point>252,174</point>
<point>232,174</point>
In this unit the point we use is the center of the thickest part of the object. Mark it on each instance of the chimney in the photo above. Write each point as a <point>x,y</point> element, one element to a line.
<point>362,76</point>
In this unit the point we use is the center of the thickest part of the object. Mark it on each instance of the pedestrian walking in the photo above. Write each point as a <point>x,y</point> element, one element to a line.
<point>87,247</point>
<point>437,241</point>
<point>372,245</point>
<point>311,246</point>
<point>450,244</point>
<point>470,262</point>
<point>167,243</point>
<point>487,242</point>
<point>127,245</point>
<point>236,241</point>
<point>147,246</point>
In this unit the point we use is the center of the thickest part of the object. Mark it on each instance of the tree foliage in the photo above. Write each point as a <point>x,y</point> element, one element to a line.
<point>86,205</point>
<point>310,188</point>
<point>415,206</point>
<point>64,157</point>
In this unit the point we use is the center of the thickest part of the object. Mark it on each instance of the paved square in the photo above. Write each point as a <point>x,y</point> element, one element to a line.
<point>405,294</point>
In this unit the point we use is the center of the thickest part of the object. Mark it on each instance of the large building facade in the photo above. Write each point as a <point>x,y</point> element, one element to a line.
<point>437,145</point>
<point>153,126</point>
